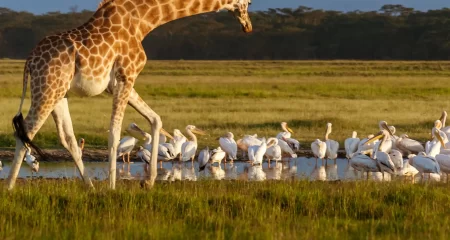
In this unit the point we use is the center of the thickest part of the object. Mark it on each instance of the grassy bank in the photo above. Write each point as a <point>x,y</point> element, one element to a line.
<point>254,97</point>
<point>224,210</point>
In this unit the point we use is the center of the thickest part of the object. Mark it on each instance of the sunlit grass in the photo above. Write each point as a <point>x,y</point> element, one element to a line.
<point>212,209</point>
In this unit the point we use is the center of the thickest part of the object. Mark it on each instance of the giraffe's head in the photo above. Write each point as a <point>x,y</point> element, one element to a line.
<point>239,8</point>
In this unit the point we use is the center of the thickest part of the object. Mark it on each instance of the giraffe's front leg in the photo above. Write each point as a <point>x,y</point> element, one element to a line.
<point>137,103</point>
<point>121,94</point>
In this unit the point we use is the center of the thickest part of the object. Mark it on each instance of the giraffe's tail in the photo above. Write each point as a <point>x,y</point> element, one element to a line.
<point>19,122</point>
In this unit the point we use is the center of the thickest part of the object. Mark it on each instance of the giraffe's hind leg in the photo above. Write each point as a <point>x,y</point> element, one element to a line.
<point>63,122</point>
<point>38,113</point>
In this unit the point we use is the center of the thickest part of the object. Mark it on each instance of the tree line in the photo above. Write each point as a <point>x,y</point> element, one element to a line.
<point>393,32</point>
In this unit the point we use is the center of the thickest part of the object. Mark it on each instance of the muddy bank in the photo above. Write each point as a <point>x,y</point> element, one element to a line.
<point>101,155</point>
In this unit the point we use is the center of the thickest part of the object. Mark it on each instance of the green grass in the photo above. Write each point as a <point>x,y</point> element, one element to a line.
<point>226,210</point>
<point>255,96</point>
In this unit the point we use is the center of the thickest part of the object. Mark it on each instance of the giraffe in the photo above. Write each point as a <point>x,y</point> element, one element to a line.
<point>104,54</point>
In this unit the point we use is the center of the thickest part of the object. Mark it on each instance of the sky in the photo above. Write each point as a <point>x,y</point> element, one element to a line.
<point>43,6</point>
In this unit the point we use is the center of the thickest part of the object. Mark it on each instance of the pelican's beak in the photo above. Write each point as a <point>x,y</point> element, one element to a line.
<point>167,134</point>
<point>438,136</point>
<point>378,136</point>
<point>386,127</point>
<point>289,130</point>
<point>198,131</point>
<point>136,132</point>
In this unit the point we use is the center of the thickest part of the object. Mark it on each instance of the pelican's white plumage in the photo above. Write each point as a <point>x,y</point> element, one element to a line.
<point>203,159</point>
<point>217,155</point>
<point>126,145</point>
<point>286,131</point>
<point>144,155</point>
<point>285,148</point>
<point>407,145</point>
<point>256,173</point>
<point>189,148</point>
<point>444,163</point>
<point>364,148</point>
<point>1,166</point>
<point>228,145</point>
<point>332,146</point>
<point>273,150</point>
<point>177,141</point>
<point>364,163</point>
<point>351,145</point>
<point>397,158</point>
<point>256,153</point>
<point>319,149</point>
<point>31,161</point>
<point>425,164</point>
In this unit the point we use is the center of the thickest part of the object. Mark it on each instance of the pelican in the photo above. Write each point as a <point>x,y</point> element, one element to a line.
<point>408,170</point>
<point>189,148</point>
<point>256,153</point>
<point>364,163</point>
<point>351,145</point>
<point>217,155</point>
<point>433,147</point>
<point>408,146</point>
<point>177,141</point>
<point>203,159</point>
<point>397,158</point>
<point>31,161</point>
<point>286,131</point>
<point>144,155</point>
<point>285,148</point>
<point>135,131</point>
<point>445,129</point>
<point>166,152</point>
<point>381,153</point>
<point>425,164</point>
<point>273,151</point>
<point>366,148</point>
<point>126,145</point>
<point>319,149</point>
<point>444,163</point>
<point>228,144</point>
<point>1,166</point>
<point>332,146</point>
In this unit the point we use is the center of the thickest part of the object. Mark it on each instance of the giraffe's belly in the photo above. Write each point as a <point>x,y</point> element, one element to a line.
<point>83,85</point>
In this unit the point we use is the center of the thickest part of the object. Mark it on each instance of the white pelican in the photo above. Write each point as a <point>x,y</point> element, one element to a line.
<point>286,131</point>
<point>397,158</point>
<point>285,148</point>
<point>126,145</point>
<point>351,145</point>
<point>364,163</point>
<point>444,163</point>
<point>408,170</point>
<point>319,149</point>
<point>332,146</point>
<point>433,147</point>
<point>189,148</point>
<point>166,152</point>
<point>228,145</point>
<point>425,164</point>
<point>135,131</point>
<point>217,155</point>
<point>203,159</point>
<point>366,148</point>
<point>256,153</point>
<point>31,161</point>
<point>177,141</point>
<point>144,155</point>
<point>246,142</point>
<point>273,151</point>
<point>443,120</point>
<point>381,153</point>
<point>407,145</point>
<point>1,166</point>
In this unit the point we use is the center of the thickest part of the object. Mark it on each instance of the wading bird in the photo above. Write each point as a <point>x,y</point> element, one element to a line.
<point>189,148</point>
<point>217,155</point>
<point>351,145</point>
<point>177,141</point>
<point>319,149</point>
<point>31,161</point>
<point>273,151</point>
<point>228,145</point>
<point>286,131</point>
<point>332,146</point>
<point>425,164</point>
<point>256,153</point>
<point>203,159</point>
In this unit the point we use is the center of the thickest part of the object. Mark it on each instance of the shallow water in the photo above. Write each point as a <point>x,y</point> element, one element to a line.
<point>299,168</point>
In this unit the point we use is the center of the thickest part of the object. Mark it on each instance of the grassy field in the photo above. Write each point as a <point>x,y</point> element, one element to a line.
<point>254,97</point>
<point>226,210</point>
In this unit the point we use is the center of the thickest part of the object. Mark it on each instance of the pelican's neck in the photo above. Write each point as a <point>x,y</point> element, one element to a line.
<point>192,135</point>
<point>328,132</point>
<point>355,134</point>
<point>443,118</point>
<point>148,139</point>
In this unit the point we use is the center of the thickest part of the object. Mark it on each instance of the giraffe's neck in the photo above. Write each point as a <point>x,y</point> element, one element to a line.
<point>140,17</point>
